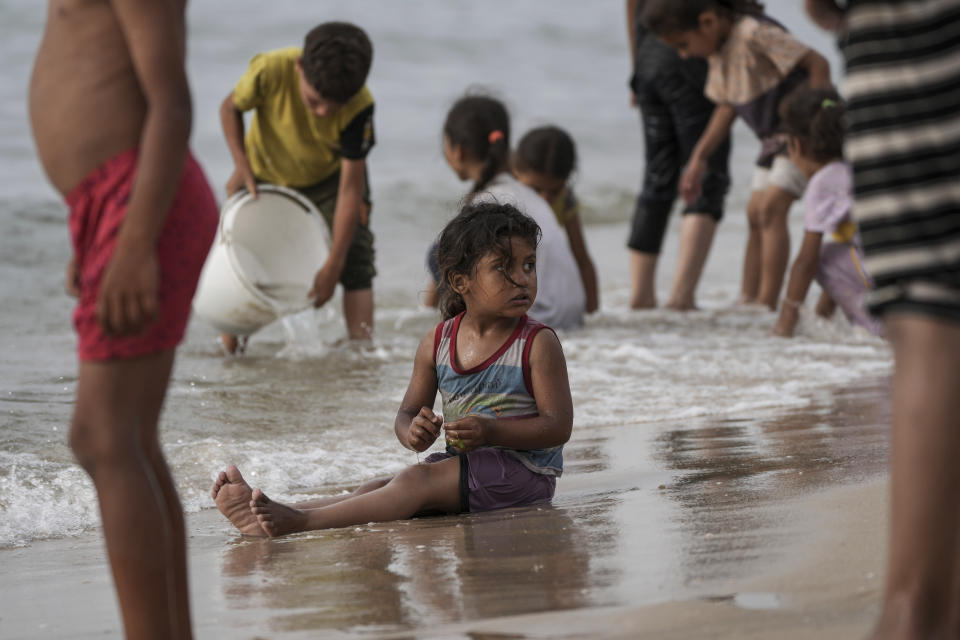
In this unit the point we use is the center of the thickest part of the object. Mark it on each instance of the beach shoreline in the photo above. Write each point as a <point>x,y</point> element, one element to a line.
<point>783,536</point>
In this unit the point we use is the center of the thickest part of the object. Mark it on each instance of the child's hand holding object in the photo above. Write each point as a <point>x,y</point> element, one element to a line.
<point>468,433</point>
<point>424,429</point>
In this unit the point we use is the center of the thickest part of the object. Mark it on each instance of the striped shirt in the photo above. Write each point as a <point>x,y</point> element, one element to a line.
<point>903,141</point>
<point>499,387</point>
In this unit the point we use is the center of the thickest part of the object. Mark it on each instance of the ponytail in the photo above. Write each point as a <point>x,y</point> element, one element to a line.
<point>481,126</point>
<point>815,116</point>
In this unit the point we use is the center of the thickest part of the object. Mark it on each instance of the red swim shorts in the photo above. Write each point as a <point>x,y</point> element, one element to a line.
<point>98,206</point>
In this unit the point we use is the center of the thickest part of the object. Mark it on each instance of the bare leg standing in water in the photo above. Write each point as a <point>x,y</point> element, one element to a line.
<point>674,111</point>
<point>111,115</point>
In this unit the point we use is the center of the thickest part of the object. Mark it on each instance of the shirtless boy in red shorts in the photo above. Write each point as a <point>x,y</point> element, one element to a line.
<point>111,116</point>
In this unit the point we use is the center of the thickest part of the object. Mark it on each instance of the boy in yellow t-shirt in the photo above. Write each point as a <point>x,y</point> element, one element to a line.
<point>311,130</point>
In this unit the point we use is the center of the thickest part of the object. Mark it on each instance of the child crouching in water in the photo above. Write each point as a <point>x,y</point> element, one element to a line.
<point>544,160</point>
<point>831,251</point>
<point>502,377</point>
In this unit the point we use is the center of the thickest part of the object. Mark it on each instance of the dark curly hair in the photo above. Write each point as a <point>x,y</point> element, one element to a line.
<point>477,230</point>
<point>471,123</point>
<point>336,60</point>
<point>815,117</point>
<point>671,16</point>
<point>548,150</point>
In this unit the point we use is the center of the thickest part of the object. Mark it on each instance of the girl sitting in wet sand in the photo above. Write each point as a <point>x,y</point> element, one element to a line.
<point>544,160</point>
<point>831,251</point>
<point>507,410</point>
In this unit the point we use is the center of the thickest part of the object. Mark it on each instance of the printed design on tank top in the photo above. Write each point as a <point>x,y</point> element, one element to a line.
<point>499,387</point>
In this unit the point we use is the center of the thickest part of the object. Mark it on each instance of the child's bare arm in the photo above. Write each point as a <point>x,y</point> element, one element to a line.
<point>802,273</point>
<point>588,273</point>
<point>632,6</point>
<point>716,132</point>
<point>818,70</point>
<point>827,14</point>
<point>154,32</point>
<point>552,427</point>
<point>416,426</point>
<point>231,119</point>
<point>350,209</point>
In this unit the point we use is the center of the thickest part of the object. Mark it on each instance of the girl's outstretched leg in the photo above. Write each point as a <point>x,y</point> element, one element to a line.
<point>418,489</point>
<point>233,497</point>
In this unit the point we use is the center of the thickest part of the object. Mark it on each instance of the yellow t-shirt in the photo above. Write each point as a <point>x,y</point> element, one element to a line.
<point>286,143</point>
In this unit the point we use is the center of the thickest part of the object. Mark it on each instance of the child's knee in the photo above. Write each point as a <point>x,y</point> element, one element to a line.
<point>775,207</point>
<point>415,474</point>
<point>94,446</point>
<point>773,216</point>
<point>416,478</point>
<point>373,485</point>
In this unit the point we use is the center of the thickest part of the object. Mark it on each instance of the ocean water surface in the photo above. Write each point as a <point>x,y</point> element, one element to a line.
<point>300,412</point>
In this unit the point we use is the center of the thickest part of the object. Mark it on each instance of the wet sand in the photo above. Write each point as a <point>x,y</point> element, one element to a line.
<point>768,525</point>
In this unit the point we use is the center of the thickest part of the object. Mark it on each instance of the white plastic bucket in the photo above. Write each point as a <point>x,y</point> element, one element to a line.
<point>263,260</point>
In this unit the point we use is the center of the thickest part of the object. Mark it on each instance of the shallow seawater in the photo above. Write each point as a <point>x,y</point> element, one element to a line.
<point>673,510</point>
<point>300,411</point>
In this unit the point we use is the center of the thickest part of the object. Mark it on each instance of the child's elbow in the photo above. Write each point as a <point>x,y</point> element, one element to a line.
<point>818,69</point>
<point>564,429</point>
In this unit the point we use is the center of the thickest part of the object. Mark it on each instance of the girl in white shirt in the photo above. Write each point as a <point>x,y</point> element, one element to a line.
<point>476,145</point>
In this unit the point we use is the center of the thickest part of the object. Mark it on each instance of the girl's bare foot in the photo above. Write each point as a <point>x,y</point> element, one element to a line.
<point>232,495</point>
<point>643,302</point>
<point>681,305</point>
<point>275,518</point>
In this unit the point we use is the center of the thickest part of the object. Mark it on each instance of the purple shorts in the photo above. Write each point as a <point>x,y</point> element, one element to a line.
<point>493,479</point>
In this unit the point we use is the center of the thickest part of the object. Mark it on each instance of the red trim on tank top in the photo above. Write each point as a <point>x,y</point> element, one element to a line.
<point>486,363</point>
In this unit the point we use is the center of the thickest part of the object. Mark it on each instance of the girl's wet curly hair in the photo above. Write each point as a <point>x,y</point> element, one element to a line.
<point>478,229</point>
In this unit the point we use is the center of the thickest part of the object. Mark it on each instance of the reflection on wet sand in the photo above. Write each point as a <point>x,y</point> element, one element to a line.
<point>646,513</point>
<point>413,573</point>
<point>730,465</point>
